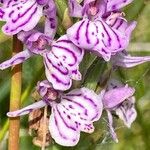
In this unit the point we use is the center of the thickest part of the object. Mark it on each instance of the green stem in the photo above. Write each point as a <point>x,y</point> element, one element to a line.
<point>24,96</point>
<point>15,96</point>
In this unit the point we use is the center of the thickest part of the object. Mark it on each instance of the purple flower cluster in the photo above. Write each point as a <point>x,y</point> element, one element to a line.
<point>102,30</point>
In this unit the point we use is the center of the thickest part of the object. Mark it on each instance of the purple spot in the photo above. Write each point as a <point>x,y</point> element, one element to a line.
<point>68,116</point>
<point>70,106</point>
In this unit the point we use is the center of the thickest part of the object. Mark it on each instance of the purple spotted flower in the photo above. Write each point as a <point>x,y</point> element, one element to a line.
<point>103,30</point>
<point>123,59</point>
<point>119,99</point>
<point>72,112</point>
<point>23,15</point>
<point>61,58</point>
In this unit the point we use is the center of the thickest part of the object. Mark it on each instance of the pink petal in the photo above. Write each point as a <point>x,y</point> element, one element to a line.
<point>127,61</point>
<point>68,53</point>
<point>51,19</point>
<point>127,112</point>
<point>61,130</point>
<point>114,97</point>
<point>35,41</point>
<point>23,15</point>
<point>111,128</point>
<point>75,9</point>
<point>97,37</point>
<point>16,59</point>
<point>56,73</point>
<point>83,34</point>
<point>88,105</point>
<point>76,112</point>
<point>62,63</point>
<point>117,4</point>
<point>27,110</point>
<point>43,87</point>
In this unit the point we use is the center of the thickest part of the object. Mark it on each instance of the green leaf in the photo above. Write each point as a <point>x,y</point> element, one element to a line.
<point>93,73</point>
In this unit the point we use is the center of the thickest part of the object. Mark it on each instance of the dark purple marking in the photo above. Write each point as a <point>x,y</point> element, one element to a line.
<point>10,14</point>
<point>70,127</point>
<point>119,25</point>
<point>56,122</point>
<point>69,42</point>
<point>72,7</point>
<point>114,23</point>
<point>80,94</point>
<point>74,71</point>
<point>69,51</point>
<point>78,104</point>
<point>109,38</point>
<point>59,81</point>
<point>22,15</point>
<point>90,100</point>
<point>20,58</point>
<point>1,14</point>
<point>68,116</point>
<point>65,41</point>
<point>104,51</point>
<point>70,106</point>
<point>66,72</point>
<point>25,21</point>
<point>78,31</point>
<point>87,33</point>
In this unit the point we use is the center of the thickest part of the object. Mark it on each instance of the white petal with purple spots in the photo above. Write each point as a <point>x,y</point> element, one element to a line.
<point>97,37</point>
<point>20,15</point>
<point>56,73</point>
<point>62,63</point>
<point>76,112</point>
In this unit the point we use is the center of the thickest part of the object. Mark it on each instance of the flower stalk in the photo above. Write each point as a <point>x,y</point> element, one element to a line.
<point>15,98</point>
<point>44,128</point>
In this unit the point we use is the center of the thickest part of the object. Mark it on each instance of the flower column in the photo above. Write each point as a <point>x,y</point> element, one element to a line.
<point>15,95</point>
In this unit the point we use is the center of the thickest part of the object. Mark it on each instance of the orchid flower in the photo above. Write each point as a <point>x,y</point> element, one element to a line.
<point>103,30</point>
<point>25,14</point>
<point>61,58</point>
<point>71,113</point>
<point>119,99</point>
<point>96,8</point>
<point>123,59</point>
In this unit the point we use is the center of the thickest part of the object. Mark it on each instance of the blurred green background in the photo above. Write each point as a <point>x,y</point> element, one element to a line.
<point>136,138</point>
